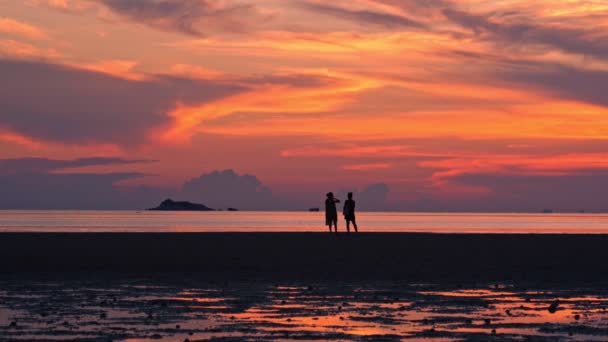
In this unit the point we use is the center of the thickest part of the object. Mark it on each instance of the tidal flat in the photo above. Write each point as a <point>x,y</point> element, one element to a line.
<point>179,308</point>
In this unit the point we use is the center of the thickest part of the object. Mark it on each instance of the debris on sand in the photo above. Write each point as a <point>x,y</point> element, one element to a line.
<point>553,307</point>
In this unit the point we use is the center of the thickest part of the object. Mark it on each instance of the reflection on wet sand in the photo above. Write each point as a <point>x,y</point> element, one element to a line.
<point>131,310</point>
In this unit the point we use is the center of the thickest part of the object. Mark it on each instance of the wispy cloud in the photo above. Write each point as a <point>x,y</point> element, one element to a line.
<point>190,17</point>
<point>9,25</point>
<point>576,39</point>
<point>365,16</point>
<point>366,167</point>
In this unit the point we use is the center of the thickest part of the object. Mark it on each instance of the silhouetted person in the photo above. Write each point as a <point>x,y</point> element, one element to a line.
<point>331,213</point>
<point>349,212</point>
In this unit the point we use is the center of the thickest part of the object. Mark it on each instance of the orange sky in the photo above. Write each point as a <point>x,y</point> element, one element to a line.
<point>428,97</point>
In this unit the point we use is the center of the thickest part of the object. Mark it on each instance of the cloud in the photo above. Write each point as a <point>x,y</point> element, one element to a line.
<point>292,80</point>
<point>223,189</point>
<point>9,25</point>
<point>57,103</point>
<point>582,190</point>
<point>68,6</point>
<point>366,166</point>
<point>561,81</point>
<point>45,165</point>
<point>567,38</point>
<point>115,67</point>
<point>414,5</point>
<point>31,183</point>
<point>358,151</point>
<point>190,17</point>
<point>13,49</point>
<point>372,197</point>
<point>365,16</point>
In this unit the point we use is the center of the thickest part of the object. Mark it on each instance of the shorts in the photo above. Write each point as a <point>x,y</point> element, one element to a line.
<point>331,220</point>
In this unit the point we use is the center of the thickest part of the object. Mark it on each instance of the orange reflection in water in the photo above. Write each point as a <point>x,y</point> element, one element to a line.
<point>337,312</point>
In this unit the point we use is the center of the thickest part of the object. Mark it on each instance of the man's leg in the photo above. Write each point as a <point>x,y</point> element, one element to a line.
<point>348,226</point>
<point>355,226</point>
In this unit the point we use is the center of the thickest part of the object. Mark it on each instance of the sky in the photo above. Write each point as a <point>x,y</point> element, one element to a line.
<point>415,105</point>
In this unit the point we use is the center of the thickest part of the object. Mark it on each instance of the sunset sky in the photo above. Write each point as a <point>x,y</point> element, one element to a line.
<point>432,105</point>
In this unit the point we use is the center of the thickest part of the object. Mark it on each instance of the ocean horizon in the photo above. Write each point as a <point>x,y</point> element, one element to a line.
<point>289,221</point>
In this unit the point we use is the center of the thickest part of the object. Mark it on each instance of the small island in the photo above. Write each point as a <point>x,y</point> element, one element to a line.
<point>171,205</point>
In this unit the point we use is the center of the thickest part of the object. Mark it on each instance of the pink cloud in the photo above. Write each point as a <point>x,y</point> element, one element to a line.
<point>12,26</point>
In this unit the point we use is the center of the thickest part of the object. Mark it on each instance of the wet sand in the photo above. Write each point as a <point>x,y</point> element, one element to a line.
<point>185,309</point>
<point>175,287</point>
<point>445,258</point>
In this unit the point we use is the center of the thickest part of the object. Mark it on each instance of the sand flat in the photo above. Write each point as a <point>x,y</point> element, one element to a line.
<point>299,256</point>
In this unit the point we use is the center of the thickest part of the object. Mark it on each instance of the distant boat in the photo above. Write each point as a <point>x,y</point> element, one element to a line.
<point>313,209</point>
<point>232,209</point>
<point>547,211</point>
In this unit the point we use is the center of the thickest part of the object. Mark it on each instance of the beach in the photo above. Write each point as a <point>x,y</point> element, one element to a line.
<point>176,287</point>
<point>299,256</point>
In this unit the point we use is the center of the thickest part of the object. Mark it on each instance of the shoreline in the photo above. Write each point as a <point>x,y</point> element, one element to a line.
<point>310,256</point>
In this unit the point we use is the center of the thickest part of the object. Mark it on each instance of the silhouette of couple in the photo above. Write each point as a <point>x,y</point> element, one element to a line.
<point>331,213</point>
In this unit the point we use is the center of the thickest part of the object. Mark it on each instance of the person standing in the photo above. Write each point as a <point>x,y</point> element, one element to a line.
<point>331,213</point>
<point>349,213</point>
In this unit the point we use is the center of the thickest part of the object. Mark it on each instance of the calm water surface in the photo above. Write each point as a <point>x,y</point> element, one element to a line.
<point>145,221</point>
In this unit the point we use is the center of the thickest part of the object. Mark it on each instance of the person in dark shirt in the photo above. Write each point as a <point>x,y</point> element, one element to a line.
<point>331,213</point>
<point>349,213</point>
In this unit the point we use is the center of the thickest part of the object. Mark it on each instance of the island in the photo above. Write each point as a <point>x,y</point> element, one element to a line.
<point>171,205</point>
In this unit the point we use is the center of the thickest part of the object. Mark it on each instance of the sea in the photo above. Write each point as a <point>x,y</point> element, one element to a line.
<point>282,221</point>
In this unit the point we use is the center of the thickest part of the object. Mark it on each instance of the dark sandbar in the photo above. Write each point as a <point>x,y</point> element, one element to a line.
<point>299,256</point>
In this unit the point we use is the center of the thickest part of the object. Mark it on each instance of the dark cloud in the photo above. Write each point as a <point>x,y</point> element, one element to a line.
<point>57,103</point>
<point>30,183</point>
<point>372,197</point>
<point>582,190</point>
<point>44,165</point>
<point>561,81</point>
<point>416,4</point>
<point>223,189</point>
<point>365,16</point>
<point>191,17</point>
<point>428,10</point>
<point>291,80</point>
<point>570,39</point>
